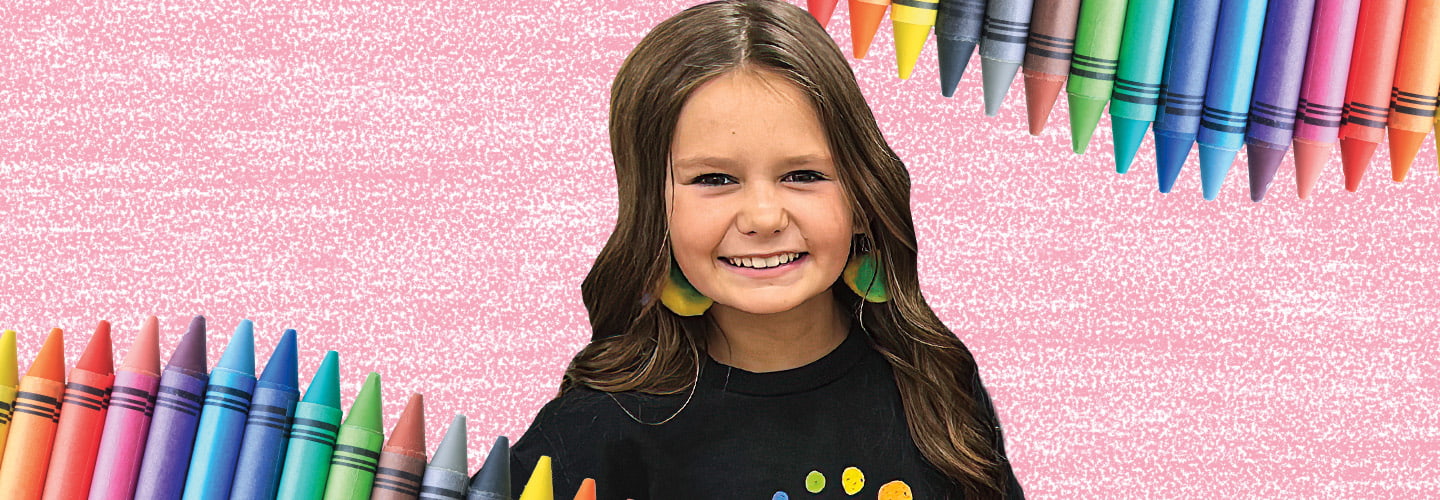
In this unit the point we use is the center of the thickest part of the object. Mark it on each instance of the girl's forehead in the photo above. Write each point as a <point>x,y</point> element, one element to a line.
<point>748,117</point>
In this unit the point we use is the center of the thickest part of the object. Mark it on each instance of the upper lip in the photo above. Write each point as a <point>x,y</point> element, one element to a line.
<point>763,255</point>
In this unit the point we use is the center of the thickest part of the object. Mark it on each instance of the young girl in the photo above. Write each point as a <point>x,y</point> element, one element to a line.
<point>790,353</point>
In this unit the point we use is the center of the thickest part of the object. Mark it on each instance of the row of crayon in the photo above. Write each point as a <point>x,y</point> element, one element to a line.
<point>1226,74</point>
<point>184,433</point>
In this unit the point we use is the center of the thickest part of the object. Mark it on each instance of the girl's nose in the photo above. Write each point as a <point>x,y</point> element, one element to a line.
<point>762,212</point>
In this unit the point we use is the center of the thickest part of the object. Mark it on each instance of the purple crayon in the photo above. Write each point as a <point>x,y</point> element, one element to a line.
<point>177,413</point>
<point>1277,89</point>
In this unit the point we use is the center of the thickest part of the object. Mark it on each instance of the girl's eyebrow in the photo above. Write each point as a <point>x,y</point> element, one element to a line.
<point>724,163</point>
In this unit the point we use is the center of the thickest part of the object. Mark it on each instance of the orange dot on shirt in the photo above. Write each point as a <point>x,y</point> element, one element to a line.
<point>896,490</point>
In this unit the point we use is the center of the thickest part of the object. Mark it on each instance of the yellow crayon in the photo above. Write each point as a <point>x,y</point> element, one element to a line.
<point>913,20</point>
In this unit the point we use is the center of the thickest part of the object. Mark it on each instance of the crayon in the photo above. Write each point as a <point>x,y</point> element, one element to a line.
<point>402,459</point>
<point>912,20</point>
<point>1092,72</point>
<point>1417,81</point>
<point>865,17</point>
<point>312,434</point>
<point>957,31</point>
<point>1228,92</point>
<point>1187,66</point>
<point>540,486</point>
<point>222,418</point>
<point>262,452</point>
<point>82,419</point>
<point>822,10</point>
<point>1136,99</point>
<point>1002,48</point>
<point>1367,94</point>
<point>1322,96</point>
<point>1047,57</point>
<point>1278,79</point>
<point>445,477</point>
<point>177,413</point>
<point>492,481</point>
<point>32,430</point>
<point>132,401</point>
<point>587,490</point>
<point>9,383</point>
<point>357,447</point>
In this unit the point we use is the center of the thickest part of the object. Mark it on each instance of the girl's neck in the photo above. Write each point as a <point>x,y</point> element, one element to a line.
<point>780,341</point>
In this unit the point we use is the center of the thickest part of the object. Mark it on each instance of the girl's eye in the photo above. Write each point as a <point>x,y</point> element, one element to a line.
<point>701,180</point>
<point>802,176</point>
<point>809,174</point>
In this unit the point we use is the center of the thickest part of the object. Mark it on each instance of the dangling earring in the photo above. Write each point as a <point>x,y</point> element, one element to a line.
<point>680,296</point>
<point>865,274</point>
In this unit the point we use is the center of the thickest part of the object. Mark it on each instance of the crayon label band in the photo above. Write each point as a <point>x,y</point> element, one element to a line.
<point>1000,30</point>
<point>76,394</point>
<point>42,406</point>
<point>1400,98</point>
<point>1136,92</point>
<point>133,399</point>
<point>440,493</point>
<point>1273,116</point>
<point>356,457</point>
<point>1094,67</point>
<point>1051,47</point>
<point>914,12</point>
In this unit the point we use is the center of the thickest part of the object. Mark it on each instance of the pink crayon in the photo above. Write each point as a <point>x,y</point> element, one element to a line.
<point>132,400</point>
<point>1322,92</point>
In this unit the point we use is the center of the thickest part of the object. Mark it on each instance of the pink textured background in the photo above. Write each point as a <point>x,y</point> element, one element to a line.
<point>422,186</point>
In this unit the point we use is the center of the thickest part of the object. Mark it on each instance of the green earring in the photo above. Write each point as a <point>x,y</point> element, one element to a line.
<point>865,274</point>
<point>680,296</point>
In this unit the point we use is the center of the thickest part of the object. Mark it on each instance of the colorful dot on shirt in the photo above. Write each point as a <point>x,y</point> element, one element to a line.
<point>896,490</point>
<point>852,480</point>
<point>780,495</point>
<point>814,481</point>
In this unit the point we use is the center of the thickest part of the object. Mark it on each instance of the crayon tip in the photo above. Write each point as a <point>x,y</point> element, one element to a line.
<point>1040,95</point>
<point>865,20</point>
<point>954,57</point>
<point>494,476</point>
<point>98,357</point>
<point>144,355</point>
<point>325,387</point>
<point>1129,133</point>
<point>909,40</point>
<point>1404,145</point>
<point>283,367</point>
<point>996,76</point>
<point>239,356</point>
<point>409,431</point>
<point>451,453</point>
<point>587,490</point>
<point>365,412</point>
<point>190,354</point>
<point>50,362</point>
<point>1264,162</point>
<point>539,486</point>
<point>9,365</point>
<point>1214,164</point>
<point>1310,160</point>
<point>1356,155</point>
<point>1170,155</point>
<point>822,10</point>
<point>1084,116</point>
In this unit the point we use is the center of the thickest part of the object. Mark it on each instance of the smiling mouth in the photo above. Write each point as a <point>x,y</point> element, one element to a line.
<point>759,264</point>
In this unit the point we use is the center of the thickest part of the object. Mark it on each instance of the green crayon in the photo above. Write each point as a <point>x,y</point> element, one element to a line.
<point>312,435</point>
<point>357,449</point>
<point>1136,101</point>
<point>1092,71</point>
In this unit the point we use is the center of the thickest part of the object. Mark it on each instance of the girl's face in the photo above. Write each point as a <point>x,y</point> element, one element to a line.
<point>751,176</point>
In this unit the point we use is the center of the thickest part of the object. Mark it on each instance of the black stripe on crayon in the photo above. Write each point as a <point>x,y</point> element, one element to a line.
<point>1366,123</point>
<point>1076,71</point>
<point>298,435</point>
<point>1272,108</point>
<point>271,425</point>
<point>1135,99</point>
<point>1410,100</point>
<point>993,36</point>
<point>1311,105</point>
<point>1361,105</point>
<point>71,396</point>
<point>4,405</point>
<point>270,409</point>
<point>1415,111</point>
<point>1138,85</point>
<point>1064,56</point>
<point>1017,25</point>
<point>239,393</point>
<point>1322,123</point>
<point>371,454</point>
<point>402,489</point>
<point>342,462</point>
<point>1171,110</point>
<point>317,424</point>
<point>121,403</point>
<point>1422,97</point>
<point>298,430</point>
<point>182,409</point>
<point>54,417</point>
<point>180,393</point>
<point>403,475</point>
<point>85,388</point>
<point>261,418</point>
<point>1221,127</point>
<point>1260,119</point>
<point>228,404</point>
<point>1053,40</point>
<point>440,492</point>
<point>1222,114</point>
<point>92,405</point>
<point>917,4</point>
<point>1097,62</point>
<point>37,397</point>
<point>1184,98</point>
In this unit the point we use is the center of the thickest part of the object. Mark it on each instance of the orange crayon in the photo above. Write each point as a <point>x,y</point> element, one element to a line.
<point>865,17</point>
<point>587,490</point>
<point>82,418</point>
<point>32,432</point>
<point>1417,81</point>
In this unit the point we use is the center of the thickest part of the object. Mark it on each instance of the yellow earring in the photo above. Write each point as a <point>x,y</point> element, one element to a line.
<point>865,274</point>
<point>680,296</point>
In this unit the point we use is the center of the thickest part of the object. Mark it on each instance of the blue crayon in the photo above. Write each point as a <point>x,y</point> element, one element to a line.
<point>177,413</point>
<point>267,428</point>
<point>1277,90</point>
<point>1228,92</point>
<point>1187,63</point>
<point>222,420</point>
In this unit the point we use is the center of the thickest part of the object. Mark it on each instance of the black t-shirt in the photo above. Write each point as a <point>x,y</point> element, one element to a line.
<point>830,429</point>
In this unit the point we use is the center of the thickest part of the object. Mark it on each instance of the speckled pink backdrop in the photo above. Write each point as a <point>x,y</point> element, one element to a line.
<point>423,185</point>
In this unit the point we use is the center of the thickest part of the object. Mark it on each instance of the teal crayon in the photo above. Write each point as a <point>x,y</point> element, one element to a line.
<point>1092,71</point>
<point>222,418</point>
<point>492,481</point>
<point>312,435</point>
<point>445,477</point>
<point>262,453</point>
<point>1228,91</point>
<point>357,447</point>
<point>1136,99</point>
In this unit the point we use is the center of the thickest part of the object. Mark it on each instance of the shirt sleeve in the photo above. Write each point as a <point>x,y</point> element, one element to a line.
<point>581,443</point>
<point>1013,490</point>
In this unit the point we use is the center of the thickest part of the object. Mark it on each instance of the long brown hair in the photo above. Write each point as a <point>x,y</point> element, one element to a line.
<point>639,345</point>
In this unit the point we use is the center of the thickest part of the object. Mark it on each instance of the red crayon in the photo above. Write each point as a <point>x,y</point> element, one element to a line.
<point>32,432</point>
<point>82,418</point>
<point>1367,95</point>
<point>1417,81</point>
<point>402,459</point>
<point>1047,57</point>
<point>821,9</point>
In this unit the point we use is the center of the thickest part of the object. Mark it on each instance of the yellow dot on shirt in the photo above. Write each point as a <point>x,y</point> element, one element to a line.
<point>814,481</point>
<point>853,480</point>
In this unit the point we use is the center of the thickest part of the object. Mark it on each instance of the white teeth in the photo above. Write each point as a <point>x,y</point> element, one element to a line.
<point>759,263</point>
